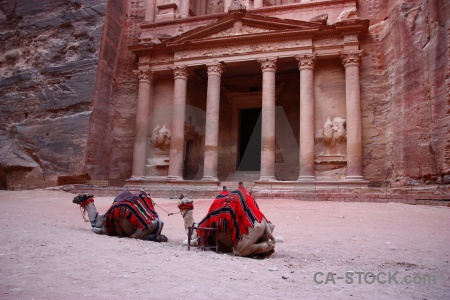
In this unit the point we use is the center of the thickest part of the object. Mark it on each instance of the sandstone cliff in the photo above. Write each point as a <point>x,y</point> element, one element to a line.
<point>405,86</point>
<point>49,62</point>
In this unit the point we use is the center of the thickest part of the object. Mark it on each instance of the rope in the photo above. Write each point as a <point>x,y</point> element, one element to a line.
<point>168,213</point>
<point>83,213</point>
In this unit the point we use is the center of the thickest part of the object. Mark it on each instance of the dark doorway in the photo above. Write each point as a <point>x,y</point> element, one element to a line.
<point>250,139</point>
<point>190,161</point>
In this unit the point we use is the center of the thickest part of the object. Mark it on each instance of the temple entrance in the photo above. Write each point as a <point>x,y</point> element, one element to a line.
<point>190,162</point>
<point>249,139</point>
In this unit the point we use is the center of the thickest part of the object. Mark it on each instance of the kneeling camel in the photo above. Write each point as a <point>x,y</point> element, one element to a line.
<point>130,215</point>
<point>242,227</point>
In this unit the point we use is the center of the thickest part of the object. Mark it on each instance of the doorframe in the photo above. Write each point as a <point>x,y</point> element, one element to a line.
<point>238,101</point>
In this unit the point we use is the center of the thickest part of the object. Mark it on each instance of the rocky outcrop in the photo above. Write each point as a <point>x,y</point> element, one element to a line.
<point>405,92</point>
<point>50,52</point>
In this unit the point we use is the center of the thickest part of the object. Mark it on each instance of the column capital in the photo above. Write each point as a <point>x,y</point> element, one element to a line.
<point>352,58</point>
<point>144,74</point>
<point>180,72</point>
<point>268,64</point>
<point>306,61</point>
<point>215,68</point>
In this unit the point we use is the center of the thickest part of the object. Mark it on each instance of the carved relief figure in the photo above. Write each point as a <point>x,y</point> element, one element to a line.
<point>158,156</point>
<point>238,28</point>
<point>161,137</point>
<point>333,132</point>
<point>340,134</point>
<point>348,14</point>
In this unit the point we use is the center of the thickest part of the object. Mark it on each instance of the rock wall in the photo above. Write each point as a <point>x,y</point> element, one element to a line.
<point>405,91</point>
<point>111,129</point>
<point>48,70</point>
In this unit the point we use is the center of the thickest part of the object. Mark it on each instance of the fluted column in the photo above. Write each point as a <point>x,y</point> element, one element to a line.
<point>351,62</point>
<point>144,103</point>
<point>268,144</point>
<point>150,7</point>
<point>178,119</point>
<point>212,122</point>
<point>204,7</point>
<point>306,156</point>
<point>226,5</point>
<point>184,8</point>
<point>258,3</point>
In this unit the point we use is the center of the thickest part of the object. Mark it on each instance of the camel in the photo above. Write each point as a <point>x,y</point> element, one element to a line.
<point>130,215</point>
<point>243,229</point>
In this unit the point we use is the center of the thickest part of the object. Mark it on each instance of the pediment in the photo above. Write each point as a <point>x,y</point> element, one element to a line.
<point>243,26</point>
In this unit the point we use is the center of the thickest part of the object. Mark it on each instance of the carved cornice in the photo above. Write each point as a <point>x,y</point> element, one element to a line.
<point>180,72</point>
<point>306,61</point>
<point>268,64</point>
<point>352,58</point>
<point>215,69</point>
<point>144,75</point>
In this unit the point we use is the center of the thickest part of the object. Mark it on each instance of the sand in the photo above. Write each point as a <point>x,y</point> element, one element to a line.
<point>47,251</point>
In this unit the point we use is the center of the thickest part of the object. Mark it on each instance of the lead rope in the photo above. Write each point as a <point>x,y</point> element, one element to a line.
<point>168,213</point>
<point>83,214</point>
<point>156,204</point>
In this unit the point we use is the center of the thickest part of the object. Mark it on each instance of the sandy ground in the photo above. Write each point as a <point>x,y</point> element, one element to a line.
<point>47,251</point>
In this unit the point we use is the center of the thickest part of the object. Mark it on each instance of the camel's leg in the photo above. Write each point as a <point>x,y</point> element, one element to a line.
<point>255,249</point>
<point>267,236</point>
<point>156,236</point>
<point>249,244</point>
<point>138,234</point>
<point>152,233</point>
<point>99,230</point>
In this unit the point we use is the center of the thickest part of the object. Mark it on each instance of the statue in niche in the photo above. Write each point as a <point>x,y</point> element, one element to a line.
<point>158,156</point>
<point>330,157</point>
<point>333,132</point>
<point>161,137</point>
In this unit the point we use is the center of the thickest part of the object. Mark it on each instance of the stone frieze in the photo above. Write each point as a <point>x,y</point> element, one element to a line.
<point>241,49</point>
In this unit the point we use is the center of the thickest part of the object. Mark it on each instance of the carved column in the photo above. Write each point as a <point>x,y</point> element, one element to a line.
<point>351,62</point>
<point>258,3</point>
<point>144,103</point>
<point>200,7</point>
<point>204,7</point>
<point>306,157</point>
<point>268,67</point>
<point>226,5</point>
<point>184,8</point>
<point>178,119</point>
<point>150,6</point>
<point>212,122</point>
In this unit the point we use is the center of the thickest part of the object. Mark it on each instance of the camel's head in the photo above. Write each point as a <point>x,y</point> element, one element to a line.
<point>83,199</point>
<point>185,204</point>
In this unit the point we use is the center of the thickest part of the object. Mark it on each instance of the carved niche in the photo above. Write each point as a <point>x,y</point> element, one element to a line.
<point>161,137</point>
<point>331,145</point>
<point>159,151</point>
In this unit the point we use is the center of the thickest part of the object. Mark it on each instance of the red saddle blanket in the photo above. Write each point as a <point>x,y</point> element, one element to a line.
<point>140,213</point>
<point>232,213</point>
